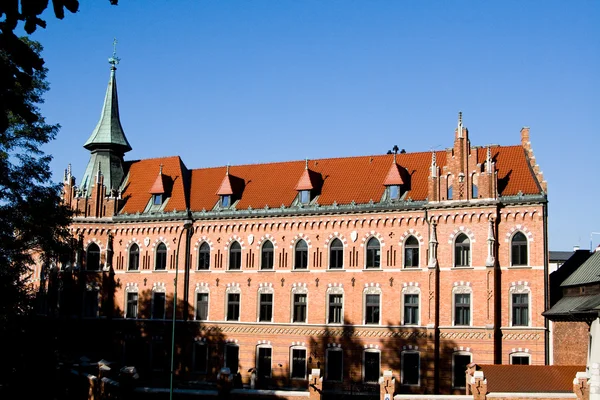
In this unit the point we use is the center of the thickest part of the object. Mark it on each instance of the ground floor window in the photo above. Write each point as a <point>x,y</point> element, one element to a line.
<point>200,357</point>
<point>298,363</point>
<point>519,359</point>
<point>459,369</point>
<point>334,365</point>
<point>410,368</point>
<point>263,362</point>
<point>371,366</point>
<point>232,357</point>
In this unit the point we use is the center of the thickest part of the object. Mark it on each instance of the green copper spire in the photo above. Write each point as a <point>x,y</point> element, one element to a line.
<point>107,143</point>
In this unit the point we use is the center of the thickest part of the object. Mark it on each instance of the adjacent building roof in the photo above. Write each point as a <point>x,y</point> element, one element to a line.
<point>530,378</point>
<point>588,272</point>
<point>560,255</point>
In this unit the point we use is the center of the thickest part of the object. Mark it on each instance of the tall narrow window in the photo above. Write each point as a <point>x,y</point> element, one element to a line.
<point>518,249</point>
<point>299,307</point>
<point>233,307</point>
<point>201,306</point>
<point>93,257</point>
<point>462,251</point>
<point>449,193</point>
<point>161,257</point>
<point>200,357</point>
<point>336,303</point>
<point>411,252</point>
<point>204,256</point>
<point>232,358</point>
<point>336,254</point>
<point>520,309</point>
<point>132,305</point>
<point>298,363</point>
<point>474,191</point>
<point>91,303</point>
<point>235,256</point>
<point>267,255</point>
<point>462,309</point>
<point>301,255</point>
<point>459,369</point>
<point>373,253</point>
<point>372,309</point>
<point>263,362</point>
<point>410,368</point>
<point>225,201</point>
<point>157,199</point>
<point>334,365</point>
<point>411,309</point>
<point>371,366</point>
<point>134,257</point>
<point>266,307</point>
<point>158,305</point>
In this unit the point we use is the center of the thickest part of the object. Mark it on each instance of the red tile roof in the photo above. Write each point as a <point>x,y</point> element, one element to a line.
<point>305,183</point>
<point>225,188</point>
<point>158,187</point>
<point>393,177</point>
<point>358,179</point>
<point>530,378</point>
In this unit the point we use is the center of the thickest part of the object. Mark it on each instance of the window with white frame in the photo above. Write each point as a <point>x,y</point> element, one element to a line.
<point>336,254</point>
<point>232,357</point>
<point>301,255</point>
<point>235,256</point>
<point>266,255</point>
<point>299,307</point>
<point>460,360</point>
<point>335,305</point>
<point>518,249</point>
<point>371,365</point>
<point>263,361</point>
<point>334,364</point>
<point>520,358</point>
<point>265,303</point>
<point>204,256</point>
<point>519,305</point>
<point>461,299</point>
<point>93,257</point>
<point>202,298</point>
<point>411,252</point>
<point>411,363</point>
<point>462,251</point>
<point>160,262</point>
<point>131,306</point>
<point>373,253</point>
<point>200,354</point>
<point>410,300</point>
<point>134,257</point>
<point>233,303</point>
<point>298,362</point>
<point>372,306</point>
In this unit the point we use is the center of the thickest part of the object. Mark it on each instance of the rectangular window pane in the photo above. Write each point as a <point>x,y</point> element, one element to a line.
<point>459,370</point>
<point>334,365</point>
<point>232,354</point>
<point>132,305</point>
<point>411,309</point>
<point>299,363</point>
<point>264,362</point>
<point>371,366</point>
<point>462,309</point>
<point>372,309</point>
<point>200,357</point>
<point>410,369</point>
<point>335,308</point>
<point>519,360</point>
<point>266,306</point>
<point>299,308</point>
<point>158,306</point>
<point>233,306</point>
<point>520,309</point>
<point>202,307</point>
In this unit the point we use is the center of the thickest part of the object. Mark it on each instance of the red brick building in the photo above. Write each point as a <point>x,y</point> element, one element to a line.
<point>416,262</point>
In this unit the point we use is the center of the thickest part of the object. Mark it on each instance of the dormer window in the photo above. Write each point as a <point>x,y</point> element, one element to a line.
<point>157,199</point>
<point>225,200</point>
<point>304,196</point>
<point>394,192</point>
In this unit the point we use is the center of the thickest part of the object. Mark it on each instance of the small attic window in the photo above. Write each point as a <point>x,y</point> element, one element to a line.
<point>304,196</point>
<point>157,199</point>
<point>225,200</point>
<point>394,192</point>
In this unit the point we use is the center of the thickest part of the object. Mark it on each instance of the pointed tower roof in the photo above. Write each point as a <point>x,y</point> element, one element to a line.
<point>393,176</point>
<point>159,185</point>
<point>226,188</point>
<point>108,131</point>
<point>305,182</point>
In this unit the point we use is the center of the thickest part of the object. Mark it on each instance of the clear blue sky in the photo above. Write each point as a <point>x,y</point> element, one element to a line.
<point>220,82</point>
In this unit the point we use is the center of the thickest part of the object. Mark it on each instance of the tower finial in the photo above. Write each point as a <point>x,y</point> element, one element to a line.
<point>114,60</point>
<point>227,172</point>
<point>488,160</point>
<point>160,170</point>
<point>460,124</point>
<point>306,163</point>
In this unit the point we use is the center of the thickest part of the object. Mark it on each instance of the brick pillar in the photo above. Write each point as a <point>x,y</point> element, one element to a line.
<point>581,386</point>
<point>315,384</point>
<point>478,385</point>
<point>387,384</point>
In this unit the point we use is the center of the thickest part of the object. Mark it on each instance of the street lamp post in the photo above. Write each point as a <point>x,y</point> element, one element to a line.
<point>187,224</point>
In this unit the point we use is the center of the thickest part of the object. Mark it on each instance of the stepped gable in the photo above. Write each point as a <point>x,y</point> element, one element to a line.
<point>141,177</point>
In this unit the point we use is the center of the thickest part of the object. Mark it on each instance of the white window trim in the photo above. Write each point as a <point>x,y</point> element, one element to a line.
<point>264,346</point>
<point>333,349</point>
<point>292,348</point>
<point>229,255</point>
<point>371,290</point>
<point>127,291</point>
<point>333,239</point>
<point>156,256</point>
<point>299,289</point>
<point>404,252</point>
<point>261,256</point>
<point>129,256</point>
<point>307,255</point>
<point>519,354</point>
<point>366,244</point>
<point>410,290</point>
<point>334,290</point>
<point>155,291</point>
<point>199,290</point>
<point>402,369</point>
<point>363,367</point>
<point>459,353</point>
<point>519,289</point>
<point>462,289</point>
<point>510,241</point>
<point>225,354</point>
<point>266,289</point>
<point>454,250</point>
<point>232,290</point>
<point>198,255</point>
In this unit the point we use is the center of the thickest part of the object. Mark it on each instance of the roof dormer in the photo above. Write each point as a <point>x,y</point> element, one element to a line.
<point>158,192</point>
<point>308,186</point>
<point>230,190</point>
<point>394,182</point>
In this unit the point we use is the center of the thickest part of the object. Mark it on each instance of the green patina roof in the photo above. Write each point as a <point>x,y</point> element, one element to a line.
<point>588,272</point>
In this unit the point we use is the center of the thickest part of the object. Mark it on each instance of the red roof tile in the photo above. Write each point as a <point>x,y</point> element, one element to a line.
<point>225,188</point>
<point>305,183</point>
<point>158,187</point>
<point>530,378</point>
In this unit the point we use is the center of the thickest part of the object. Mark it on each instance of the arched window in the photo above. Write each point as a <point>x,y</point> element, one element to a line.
<point>462,251</point>
<point>134,257</point>
<point>204,256</point>
<point>411,252</point>
<point>235,256</point>
<point>93,257</point>
<point>301,255</point>
<point>518,249</point>
<point>449,194</point>
<point>373,253</point>
<point>161,257</point>
<point>336,254</point>
<point>474,190</point>
<point>267,255</point>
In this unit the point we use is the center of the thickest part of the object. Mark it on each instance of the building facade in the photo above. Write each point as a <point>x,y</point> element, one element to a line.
<point>416,262</point>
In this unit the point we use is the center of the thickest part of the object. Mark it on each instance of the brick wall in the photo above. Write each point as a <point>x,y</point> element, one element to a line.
<point>571,341</point>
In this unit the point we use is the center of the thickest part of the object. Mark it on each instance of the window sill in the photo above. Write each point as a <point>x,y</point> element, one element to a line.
<point>410,385</point>
<point>336,270</point>
<point>300,270</point>
<point>463,267</point>
<point>202,270</point>
<point>160,270</point>
<point>133,271</point>
<point>267,270</point>
<point>412,269</point>
<point>234,270</point>
<point>373,269</point>
<point>519,267</point>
